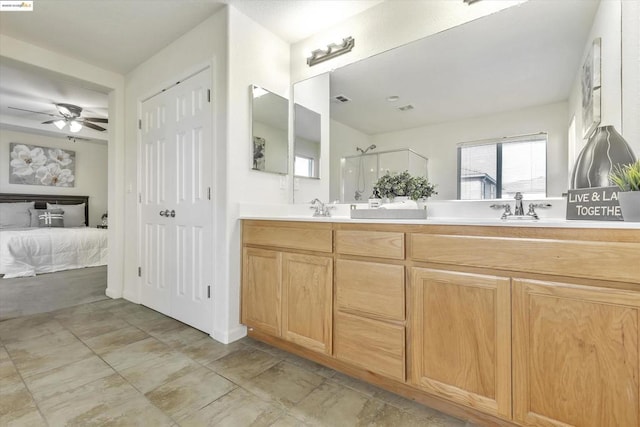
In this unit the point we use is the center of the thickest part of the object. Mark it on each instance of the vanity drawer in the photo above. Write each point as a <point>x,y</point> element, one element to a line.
<point>370,344</point>
<point>380,244</point>
<point>292,235</point>
<point>612,261</point>
<point>370,288</point>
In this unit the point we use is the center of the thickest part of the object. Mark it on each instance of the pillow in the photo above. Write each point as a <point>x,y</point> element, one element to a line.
<point>15,215</point>
<point>35,216</point>
<point>73,214</point>
<point>49,217</point>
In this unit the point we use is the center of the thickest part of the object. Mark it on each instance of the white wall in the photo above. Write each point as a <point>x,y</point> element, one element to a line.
<point>438,143</point>
<point>107,82</point>
<point>91,170</point>
<point>386,26</point>
<point>607,26</point>
<point>255,56</point>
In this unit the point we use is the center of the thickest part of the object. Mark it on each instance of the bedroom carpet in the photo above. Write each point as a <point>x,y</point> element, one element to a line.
<point>52,291</point>
<point>117,363</point>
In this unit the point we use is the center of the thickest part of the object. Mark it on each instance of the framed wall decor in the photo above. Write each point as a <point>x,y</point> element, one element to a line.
<point>35,165</point>
<point>258,153</point>
<point>591,90</point>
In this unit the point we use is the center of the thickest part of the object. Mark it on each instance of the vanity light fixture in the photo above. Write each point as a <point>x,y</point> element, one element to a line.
<point>332,50</point>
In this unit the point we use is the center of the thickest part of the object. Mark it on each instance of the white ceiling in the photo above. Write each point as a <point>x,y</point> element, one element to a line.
<point>30,88</point>
<point>118,35</point>
<point>524,56</point>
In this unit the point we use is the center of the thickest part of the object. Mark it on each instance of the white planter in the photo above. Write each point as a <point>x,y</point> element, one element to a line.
<point>630,205</point>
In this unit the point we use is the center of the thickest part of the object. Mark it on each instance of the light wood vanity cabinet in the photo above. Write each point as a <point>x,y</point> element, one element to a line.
<point>460,338</point>
<point>501,325</point>
<point>575,355</point>
<point>287,294</point>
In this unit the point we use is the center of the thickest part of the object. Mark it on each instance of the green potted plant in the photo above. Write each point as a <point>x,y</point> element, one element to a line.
<point>627,178</point>
<point>394,185</point>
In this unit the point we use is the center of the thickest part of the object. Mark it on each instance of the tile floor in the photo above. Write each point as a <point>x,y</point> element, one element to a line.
<point>116,363</point>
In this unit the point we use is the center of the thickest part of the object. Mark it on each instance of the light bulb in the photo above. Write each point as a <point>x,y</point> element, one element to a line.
<point>75,126</point>
<point>60,124</point>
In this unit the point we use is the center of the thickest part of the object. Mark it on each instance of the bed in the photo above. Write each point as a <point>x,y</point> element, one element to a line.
<point>27,251</point>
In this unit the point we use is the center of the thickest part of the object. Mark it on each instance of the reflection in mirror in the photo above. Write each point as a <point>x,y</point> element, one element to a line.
<point>496,76</point>
<point>306,142</point>
<point>269,131</point>
<point>500,168</point>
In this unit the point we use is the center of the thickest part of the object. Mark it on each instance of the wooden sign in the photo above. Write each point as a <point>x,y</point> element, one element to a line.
<point>596,203</point>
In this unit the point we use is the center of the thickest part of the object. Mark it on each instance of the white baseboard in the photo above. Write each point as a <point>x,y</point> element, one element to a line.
<point>113,294</point>
<point>227,337</point>
<point>131,296</point>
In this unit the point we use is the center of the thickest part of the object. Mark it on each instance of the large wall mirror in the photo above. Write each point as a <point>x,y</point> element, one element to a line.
<point>504,77</point>
<point>269,131</point>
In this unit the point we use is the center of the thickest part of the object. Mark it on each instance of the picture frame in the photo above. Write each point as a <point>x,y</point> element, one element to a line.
<point>259,146</point>
<point>38,165</point>
<point>591,85</point>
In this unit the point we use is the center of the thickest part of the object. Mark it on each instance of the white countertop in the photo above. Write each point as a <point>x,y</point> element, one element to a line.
<point>439,213</point>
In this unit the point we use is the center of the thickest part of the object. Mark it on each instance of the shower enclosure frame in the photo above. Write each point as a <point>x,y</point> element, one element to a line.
<point>344,159</point>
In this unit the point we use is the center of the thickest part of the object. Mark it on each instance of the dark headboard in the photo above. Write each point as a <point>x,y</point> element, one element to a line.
<point>41,201</point>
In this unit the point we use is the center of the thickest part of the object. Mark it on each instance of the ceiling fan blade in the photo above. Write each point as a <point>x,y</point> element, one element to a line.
<point>96,119</point>
<point>48,122</point>
<point>92,126</point>
<point>35,112</point>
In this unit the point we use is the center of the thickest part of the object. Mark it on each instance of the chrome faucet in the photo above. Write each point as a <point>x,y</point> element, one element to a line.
<point>321,209</point>
<point>519,209</point>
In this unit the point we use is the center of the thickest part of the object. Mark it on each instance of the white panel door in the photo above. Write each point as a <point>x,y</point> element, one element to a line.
<point>177,222</point>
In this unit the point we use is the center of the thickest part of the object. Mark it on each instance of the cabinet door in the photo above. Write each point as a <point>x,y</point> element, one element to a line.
<point>307,300</point>
<point>460,338</point>
<point>261,290</point>
<point>575,354</point>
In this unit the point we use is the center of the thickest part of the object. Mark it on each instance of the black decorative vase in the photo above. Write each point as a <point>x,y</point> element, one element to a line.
<point>605,149</point>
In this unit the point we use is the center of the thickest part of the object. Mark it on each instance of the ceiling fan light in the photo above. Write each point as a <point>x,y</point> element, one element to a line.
<point>75,126</point>
<point>60,124</point>
<point>63,110</point>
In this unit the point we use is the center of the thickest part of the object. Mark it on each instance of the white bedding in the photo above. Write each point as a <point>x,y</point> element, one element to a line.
<point>30,251</point>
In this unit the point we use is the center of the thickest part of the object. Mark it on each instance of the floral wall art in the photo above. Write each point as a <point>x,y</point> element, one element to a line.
<point>34,165</point>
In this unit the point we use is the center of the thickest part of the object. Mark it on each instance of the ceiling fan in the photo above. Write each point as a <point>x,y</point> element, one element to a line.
<point>69,115</point>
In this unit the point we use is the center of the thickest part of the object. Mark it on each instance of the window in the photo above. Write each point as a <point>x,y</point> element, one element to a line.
<point>498,169</point>
<point>303,166</point>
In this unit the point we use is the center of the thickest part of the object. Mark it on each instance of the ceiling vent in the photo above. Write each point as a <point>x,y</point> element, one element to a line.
<point>341,99</point>
<point>406,107</point>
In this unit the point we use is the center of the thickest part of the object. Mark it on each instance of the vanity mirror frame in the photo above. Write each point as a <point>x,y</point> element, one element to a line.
<point>269,118</point>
